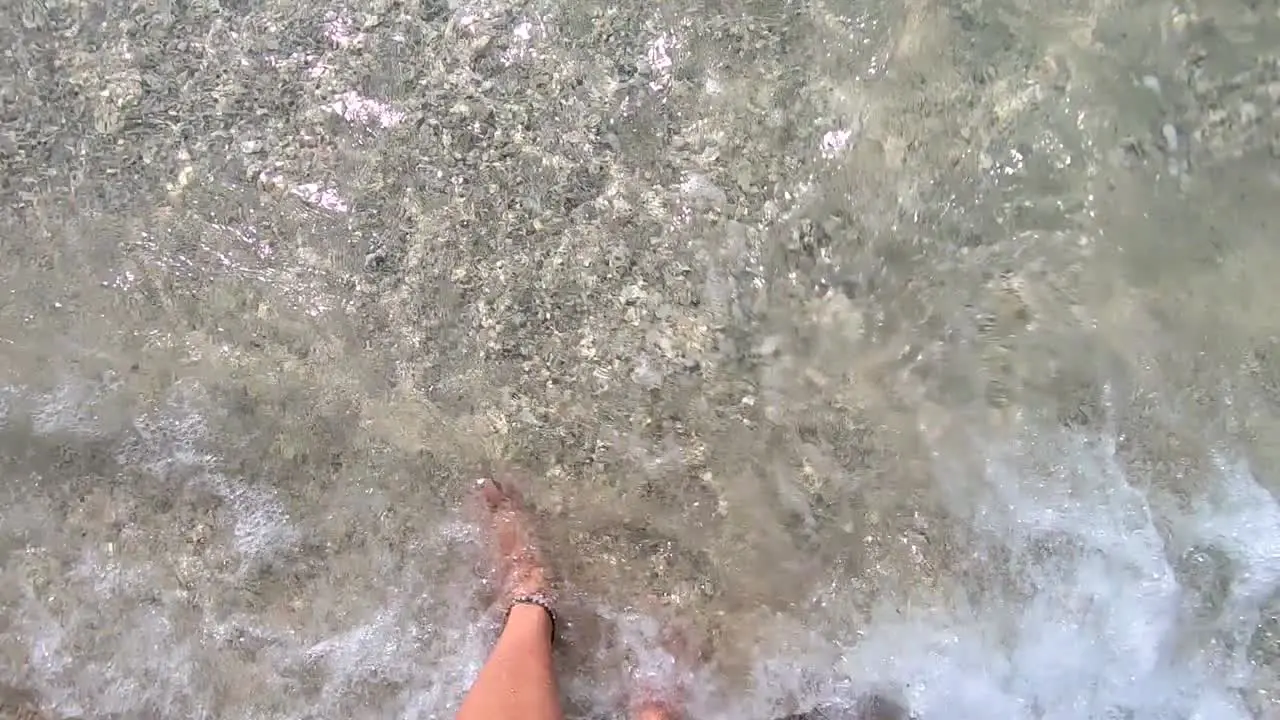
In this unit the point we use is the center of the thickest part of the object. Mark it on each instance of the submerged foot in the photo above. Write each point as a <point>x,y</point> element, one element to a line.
<point>653,710</point>
<point>660,686</point>
<point>521,573</point>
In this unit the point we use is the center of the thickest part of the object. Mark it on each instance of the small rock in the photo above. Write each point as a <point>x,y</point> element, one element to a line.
<point>701,190</point>
<point>1249,113</point>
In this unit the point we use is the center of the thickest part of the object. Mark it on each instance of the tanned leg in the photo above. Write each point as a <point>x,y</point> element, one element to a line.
<point>518,680</point>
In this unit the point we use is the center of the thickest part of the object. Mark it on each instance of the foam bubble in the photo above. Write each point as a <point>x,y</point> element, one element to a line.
<point>365,652</point>
<point>1097,627</point>
<point>1095,624</point>
<point>8,394</point>
<point>1098,636</point>
<point>71,407</point>
<point>260,523</point>
<point>171,445</point>
<point>1243,520</point>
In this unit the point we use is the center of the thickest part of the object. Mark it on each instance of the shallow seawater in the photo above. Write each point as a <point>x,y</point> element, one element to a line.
<point>913,351</point>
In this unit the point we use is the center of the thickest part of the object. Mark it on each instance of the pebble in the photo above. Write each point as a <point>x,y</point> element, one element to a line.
<point>1249,113</point>
<point>1170,135</point>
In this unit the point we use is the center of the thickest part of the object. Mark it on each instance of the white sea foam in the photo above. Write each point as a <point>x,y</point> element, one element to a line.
<point>173,442</point>
<point>1098,629</point>
<point>7,395</point>
<point>1099,636</point>
<point>70,408</point>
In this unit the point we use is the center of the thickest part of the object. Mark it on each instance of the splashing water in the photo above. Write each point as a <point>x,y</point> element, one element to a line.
<point>911,358</point>
<point>1094,617</point>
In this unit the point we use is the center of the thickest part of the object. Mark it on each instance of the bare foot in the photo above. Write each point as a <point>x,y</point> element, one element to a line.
<point>653,710</point>
<point>658,691</point>
<point>521,572</point>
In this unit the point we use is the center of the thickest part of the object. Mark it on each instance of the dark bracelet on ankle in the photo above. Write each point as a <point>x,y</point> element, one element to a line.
<point>541,601</point>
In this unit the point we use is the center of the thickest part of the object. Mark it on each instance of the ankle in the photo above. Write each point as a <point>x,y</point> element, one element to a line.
<point>527,619</point>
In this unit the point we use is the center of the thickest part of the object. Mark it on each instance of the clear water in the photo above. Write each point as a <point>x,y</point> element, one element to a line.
<point>914,350</point>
